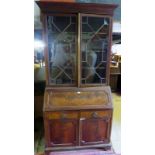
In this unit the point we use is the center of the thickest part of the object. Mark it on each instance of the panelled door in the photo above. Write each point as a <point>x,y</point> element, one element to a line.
<point>61,128</point>
<point>94,128</point>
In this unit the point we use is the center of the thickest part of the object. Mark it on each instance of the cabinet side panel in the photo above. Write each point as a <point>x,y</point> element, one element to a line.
<point>44,21</point>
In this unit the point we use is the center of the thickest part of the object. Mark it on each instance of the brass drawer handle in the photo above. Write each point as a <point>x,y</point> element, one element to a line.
<point>63,115</point>
<point>95,115</point>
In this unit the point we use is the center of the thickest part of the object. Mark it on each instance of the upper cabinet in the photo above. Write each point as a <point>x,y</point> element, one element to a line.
<point>78,43</point>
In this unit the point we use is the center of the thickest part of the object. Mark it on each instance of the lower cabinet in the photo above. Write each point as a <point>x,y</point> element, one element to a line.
<point>77,128</point>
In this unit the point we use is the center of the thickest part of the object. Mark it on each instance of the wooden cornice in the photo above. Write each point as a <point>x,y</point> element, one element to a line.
<point>72,7</point>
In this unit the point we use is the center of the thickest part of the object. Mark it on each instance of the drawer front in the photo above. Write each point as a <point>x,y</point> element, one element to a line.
<point>61,115</point>
<point>96,114</point>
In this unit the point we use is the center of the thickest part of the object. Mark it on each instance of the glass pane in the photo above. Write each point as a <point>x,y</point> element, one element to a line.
<point>62,40</point>
<point>94,47</point>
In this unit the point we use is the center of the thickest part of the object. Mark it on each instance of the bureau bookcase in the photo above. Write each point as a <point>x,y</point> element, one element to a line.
<point>77,100</point>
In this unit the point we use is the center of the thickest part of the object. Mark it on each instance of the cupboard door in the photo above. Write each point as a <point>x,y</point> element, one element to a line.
<point>63,132</point>
<point>95,40</point>
<point>61,128</point>
<point>95,130</point>
<point>62,45</point>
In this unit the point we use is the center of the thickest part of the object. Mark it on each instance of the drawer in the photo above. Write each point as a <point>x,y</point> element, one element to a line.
<point>61,115</point>
<point>96,114</point>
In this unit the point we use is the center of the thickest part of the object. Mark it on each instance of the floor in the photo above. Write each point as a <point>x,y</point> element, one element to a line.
<point>115,135</point>
<point>116,126</point>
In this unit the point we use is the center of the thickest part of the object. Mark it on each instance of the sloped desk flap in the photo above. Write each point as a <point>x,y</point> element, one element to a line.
<point>77,98</point>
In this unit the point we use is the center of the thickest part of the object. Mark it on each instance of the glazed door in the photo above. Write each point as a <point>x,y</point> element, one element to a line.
<point>61,55</point>
<point>94,129</point>
<point>95,49</point>
<point>78,49</point>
